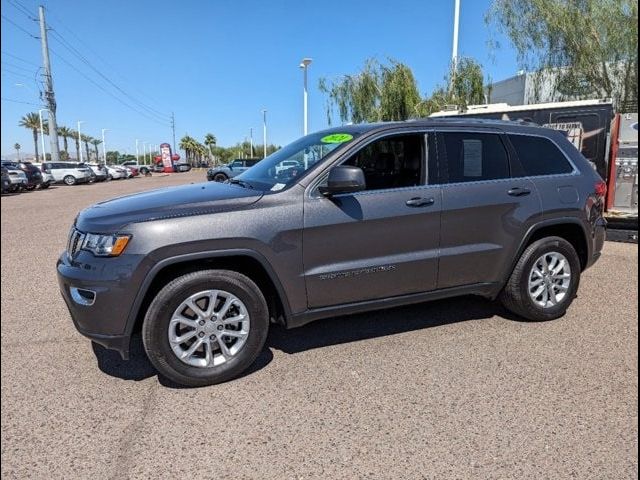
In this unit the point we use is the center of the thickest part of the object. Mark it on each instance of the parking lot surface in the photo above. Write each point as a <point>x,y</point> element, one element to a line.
<point>451,389</point>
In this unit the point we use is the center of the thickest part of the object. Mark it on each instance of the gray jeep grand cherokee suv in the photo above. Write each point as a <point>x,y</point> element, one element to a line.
<point>372,216</point>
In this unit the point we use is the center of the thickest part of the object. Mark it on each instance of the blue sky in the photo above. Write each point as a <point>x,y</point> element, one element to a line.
<point>217,64</point>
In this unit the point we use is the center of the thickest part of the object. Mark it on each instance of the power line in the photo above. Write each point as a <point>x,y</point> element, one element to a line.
<point>101,58</point>
<point>18,58</point>
<point>30,70</point>
<point>22,9</point>
<point>78,54</point>
<point>18,26</point>
<point>6,70</point>
<point>19,101</point>
<point>104,89</point>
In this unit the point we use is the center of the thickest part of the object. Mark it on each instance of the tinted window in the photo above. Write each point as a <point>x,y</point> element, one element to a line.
<point>391,162</point>
<point>251,163</point>
<point>539,156</point>
<point>473,157</point>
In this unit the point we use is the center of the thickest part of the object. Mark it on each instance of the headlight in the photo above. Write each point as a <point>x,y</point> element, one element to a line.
<point>105,245</point>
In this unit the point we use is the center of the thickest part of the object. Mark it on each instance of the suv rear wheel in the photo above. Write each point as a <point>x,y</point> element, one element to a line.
<point>205,327</point>
<point>69,180</point>
<point>545,280</point>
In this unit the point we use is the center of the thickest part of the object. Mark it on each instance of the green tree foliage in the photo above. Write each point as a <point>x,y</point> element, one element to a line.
<point>380,92</point>
<point>31,121</point>
<point>596,39</point>
<point>463,86</point>
<point>65,133</point>
<point>389,92</point>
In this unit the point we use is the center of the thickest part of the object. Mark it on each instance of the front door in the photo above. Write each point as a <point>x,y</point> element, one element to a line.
<point>381,242</point>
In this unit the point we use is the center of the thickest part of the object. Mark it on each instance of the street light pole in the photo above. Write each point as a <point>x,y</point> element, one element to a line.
<point>456,22</point>
<point>304,65</point>
<point>44,152</point>
<point>251,137</point>
<point>80,140</point>
<point>144,153</point>
<point>104,146</point>
<point>137,152</point>
<point>264,133</point>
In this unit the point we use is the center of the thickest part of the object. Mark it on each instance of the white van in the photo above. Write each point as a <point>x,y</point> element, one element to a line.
<point>69,173</point>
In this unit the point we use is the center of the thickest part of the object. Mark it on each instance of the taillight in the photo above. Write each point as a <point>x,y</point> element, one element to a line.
<point>601,189</point>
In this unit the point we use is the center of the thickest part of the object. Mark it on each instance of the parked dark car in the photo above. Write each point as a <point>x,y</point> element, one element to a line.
<point>368,217</point>
<point>6,181</point>
<point>223,173</point>
<point>34,176</point>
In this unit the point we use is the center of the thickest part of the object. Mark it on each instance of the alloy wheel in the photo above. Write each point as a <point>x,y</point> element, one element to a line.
<point>549,280</point>
<point>209,328</point>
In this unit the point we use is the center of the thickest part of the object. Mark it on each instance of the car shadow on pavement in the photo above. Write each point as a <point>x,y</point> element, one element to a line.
<point>321,333</point>
<point>138,367</point>
<point>353,328</point>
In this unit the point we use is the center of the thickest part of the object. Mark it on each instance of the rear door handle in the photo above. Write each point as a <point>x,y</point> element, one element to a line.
<point>420,202</point>
<point>519,192</point>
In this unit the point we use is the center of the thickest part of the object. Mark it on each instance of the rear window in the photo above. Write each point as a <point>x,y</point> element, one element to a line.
<point>475,157</point>
<point>540,156</point>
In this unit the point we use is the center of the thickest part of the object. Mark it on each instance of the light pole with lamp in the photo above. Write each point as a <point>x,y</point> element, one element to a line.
<point>144,153</point>
<point>104,146</point>
<point>80,140</point>
<point>137,152</point>
<point>304,65</point>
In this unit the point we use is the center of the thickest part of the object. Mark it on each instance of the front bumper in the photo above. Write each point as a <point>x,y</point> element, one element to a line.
<point>106,319</point>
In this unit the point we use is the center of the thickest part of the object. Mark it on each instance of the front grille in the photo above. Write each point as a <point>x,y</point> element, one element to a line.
<point>75,242</point>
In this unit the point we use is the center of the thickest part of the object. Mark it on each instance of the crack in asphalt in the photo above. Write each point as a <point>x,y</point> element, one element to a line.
<point>123,461</point>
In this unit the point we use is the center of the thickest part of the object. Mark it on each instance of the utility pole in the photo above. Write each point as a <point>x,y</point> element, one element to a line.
<point>251,137</point>
<point>137,152</point>
<point>173,129</point>
<point>48,92</point>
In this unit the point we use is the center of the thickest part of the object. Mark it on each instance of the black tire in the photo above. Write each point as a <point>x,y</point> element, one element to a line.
<point>158,316</point>
<point>515,295</point>
<point>69,180</point>
<point>220,177</point>
<point>44,185</point>
<point>31,187</point>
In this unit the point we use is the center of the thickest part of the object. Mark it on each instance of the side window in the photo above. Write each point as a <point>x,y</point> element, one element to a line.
<point>391,162</point>
<point>237,163</point>
<point>472,157</point>
<point>539,156</point>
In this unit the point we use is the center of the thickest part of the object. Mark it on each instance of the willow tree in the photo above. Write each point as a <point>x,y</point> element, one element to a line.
<point>379,92</point>
<point>583,48</point>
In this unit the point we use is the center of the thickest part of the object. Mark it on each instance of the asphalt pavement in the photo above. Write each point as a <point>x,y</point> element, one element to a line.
<point>450,389</point>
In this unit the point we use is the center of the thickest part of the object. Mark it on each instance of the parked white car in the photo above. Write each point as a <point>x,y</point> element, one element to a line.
<point>47,178</point>
<point>143,169</point>
<point>68,173</point>
<point>116,172</point>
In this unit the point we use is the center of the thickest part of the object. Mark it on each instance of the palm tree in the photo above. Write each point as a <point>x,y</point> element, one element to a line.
<point>74,135</point>
<point>95,142</point>
<point>65,133</point>
<point>32,122</point>
<point>210,141</point>
<point>86,139</point>
<point>187,144</point>
<point>17,147</point>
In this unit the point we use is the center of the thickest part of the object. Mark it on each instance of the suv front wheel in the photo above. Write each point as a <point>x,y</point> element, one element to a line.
<point>205,327</point>
<point>545,280</point>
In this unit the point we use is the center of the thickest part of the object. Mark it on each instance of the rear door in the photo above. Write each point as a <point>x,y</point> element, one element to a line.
<point>381,242</point>
<point>485,211</point>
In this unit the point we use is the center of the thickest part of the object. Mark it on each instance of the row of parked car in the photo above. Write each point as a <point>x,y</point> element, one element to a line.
<point>19,176</point>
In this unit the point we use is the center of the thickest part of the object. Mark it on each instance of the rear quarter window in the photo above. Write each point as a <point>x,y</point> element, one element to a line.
<point>540,156</point>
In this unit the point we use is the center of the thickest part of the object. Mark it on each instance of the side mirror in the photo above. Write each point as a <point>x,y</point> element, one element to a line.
<point>344,179</point>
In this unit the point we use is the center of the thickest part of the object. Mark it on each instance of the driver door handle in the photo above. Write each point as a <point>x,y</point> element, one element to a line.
<point>519,192</point>
<point>420,202</point>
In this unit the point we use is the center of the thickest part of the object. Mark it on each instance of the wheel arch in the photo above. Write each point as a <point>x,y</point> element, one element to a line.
<point>246,262</point>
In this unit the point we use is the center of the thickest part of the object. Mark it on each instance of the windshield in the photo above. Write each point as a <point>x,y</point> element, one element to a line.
<point>284,167</point>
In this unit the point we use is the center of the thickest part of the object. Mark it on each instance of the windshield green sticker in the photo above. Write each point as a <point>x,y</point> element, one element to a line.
<point>337,138</point>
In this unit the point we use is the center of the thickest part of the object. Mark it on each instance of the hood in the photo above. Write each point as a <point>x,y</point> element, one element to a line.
<point>185,200</point>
